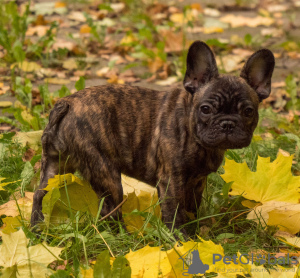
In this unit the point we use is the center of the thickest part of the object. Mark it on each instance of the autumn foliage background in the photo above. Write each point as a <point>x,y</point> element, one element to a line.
<point>50,49</point>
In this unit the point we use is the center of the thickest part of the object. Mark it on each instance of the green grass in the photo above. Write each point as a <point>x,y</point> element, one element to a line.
<point>221,217</point>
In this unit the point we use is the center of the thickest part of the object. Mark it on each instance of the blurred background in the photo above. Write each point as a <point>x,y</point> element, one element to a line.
<point>49,49</point>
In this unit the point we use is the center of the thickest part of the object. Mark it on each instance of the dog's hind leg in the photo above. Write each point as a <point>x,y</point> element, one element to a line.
<point>52,164</point>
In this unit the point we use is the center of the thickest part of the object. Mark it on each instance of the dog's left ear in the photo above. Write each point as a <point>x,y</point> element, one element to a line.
<point>258,72</point>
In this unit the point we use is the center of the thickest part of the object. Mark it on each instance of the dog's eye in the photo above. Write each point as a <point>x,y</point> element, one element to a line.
<point>205,109</point>
<point>248,112</point>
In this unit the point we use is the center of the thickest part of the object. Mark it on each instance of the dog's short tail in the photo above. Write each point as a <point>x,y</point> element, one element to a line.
<point>59,110</point>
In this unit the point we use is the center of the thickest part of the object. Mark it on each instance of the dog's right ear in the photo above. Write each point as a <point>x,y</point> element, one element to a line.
<point>201,66</point>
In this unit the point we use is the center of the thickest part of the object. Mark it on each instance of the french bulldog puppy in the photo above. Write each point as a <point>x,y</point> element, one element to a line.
<point>169,139</point>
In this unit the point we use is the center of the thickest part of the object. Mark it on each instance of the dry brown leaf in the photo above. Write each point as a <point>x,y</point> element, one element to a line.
<point>70,64</point>
<point>244,53</point>
<point>174,42</point>
<point>60,5</point>
<point>238,21</point>
<point>114,79</point>
<point>63,44</point>
<point>117,59</point>
<point>40,20</point>
<point>196,6</point>
<point>85,29</point>
<point>229,62</point>
<point>39,30</point>
<point>155,65</point>
<point>167,82</point>
<point>28,155</point>
<point>273,32</point>
<point>128,76</point>
<point>102,72</point>
<point>25,204</point>
<point>212,12</point>
<point>279,84</point>
<point>76,16</point>
<point>117,7</point>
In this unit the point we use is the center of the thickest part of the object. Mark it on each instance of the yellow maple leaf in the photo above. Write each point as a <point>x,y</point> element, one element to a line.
<point>87,273</point>
<point>11,208</point>
<point>150,261</point>
<point>23,261</point>
<point>81,195</point>
<point>288,238</point>
<point>140,196</point>
<point>273,181</point>
<point>31,139</point>
<point>2,184</point>
<point>10,224</point>
<point>284,215</point>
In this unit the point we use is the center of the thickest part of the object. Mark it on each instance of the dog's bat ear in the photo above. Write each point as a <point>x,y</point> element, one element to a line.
<point>258,71</point>
<point>201,66</point>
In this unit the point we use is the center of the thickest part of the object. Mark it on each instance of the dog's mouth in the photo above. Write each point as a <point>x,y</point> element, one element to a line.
<point>225,139</point>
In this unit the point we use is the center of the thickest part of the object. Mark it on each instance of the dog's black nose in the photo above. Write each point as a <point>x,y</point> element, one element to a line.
<point>227,125</point>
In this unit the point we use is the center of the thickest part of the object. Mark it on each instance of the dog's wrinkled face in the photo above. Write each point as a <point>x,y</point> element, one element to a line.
<point>225,108</point>
<point>225,113</point>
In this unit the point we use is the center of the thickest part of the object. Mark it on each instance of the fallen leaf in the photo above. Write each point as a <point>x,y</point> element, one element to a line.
<point>212,12</point>
<point>273,181</point>
<point>174,42</point>
<point>25,205</point>
<point>142,197</point>
<point>167,82</point>
<point>229,63</point>
<point>85,29</point>
<point>60,5</point>
<point>5,104</point>
<point>29,261</point>
<point>11,224</point>
<point>117,7</point>
<point>87,273</point>
<point>70,64</point>
<point>212,30</point>
<point>115,80</point>
<point>31,139</point>
<point>238,20</point>
<point>288,238</point>
<point>102,72</point>
<point>152,261</point>
<point>61,44</point>
<point>57,81</point>
<point>28,155</point>
<point>128,76</point>
<point>196,6</point>
<point>285,216</point>
<point>48,8</point>
<point>250,204</point>
<point>77,16</point>
<point>38,30</point>
<point>81,195</point>
<point>155,65</point>
<point>29,66</point>
<point>215,23</point>
<point>243,53</point>
<point>273,32</point>
<point>181,18</point>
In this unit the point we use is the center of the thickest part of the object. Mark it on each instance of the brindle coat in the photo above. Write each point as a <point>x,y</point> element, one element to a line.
<point>172,139</point>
